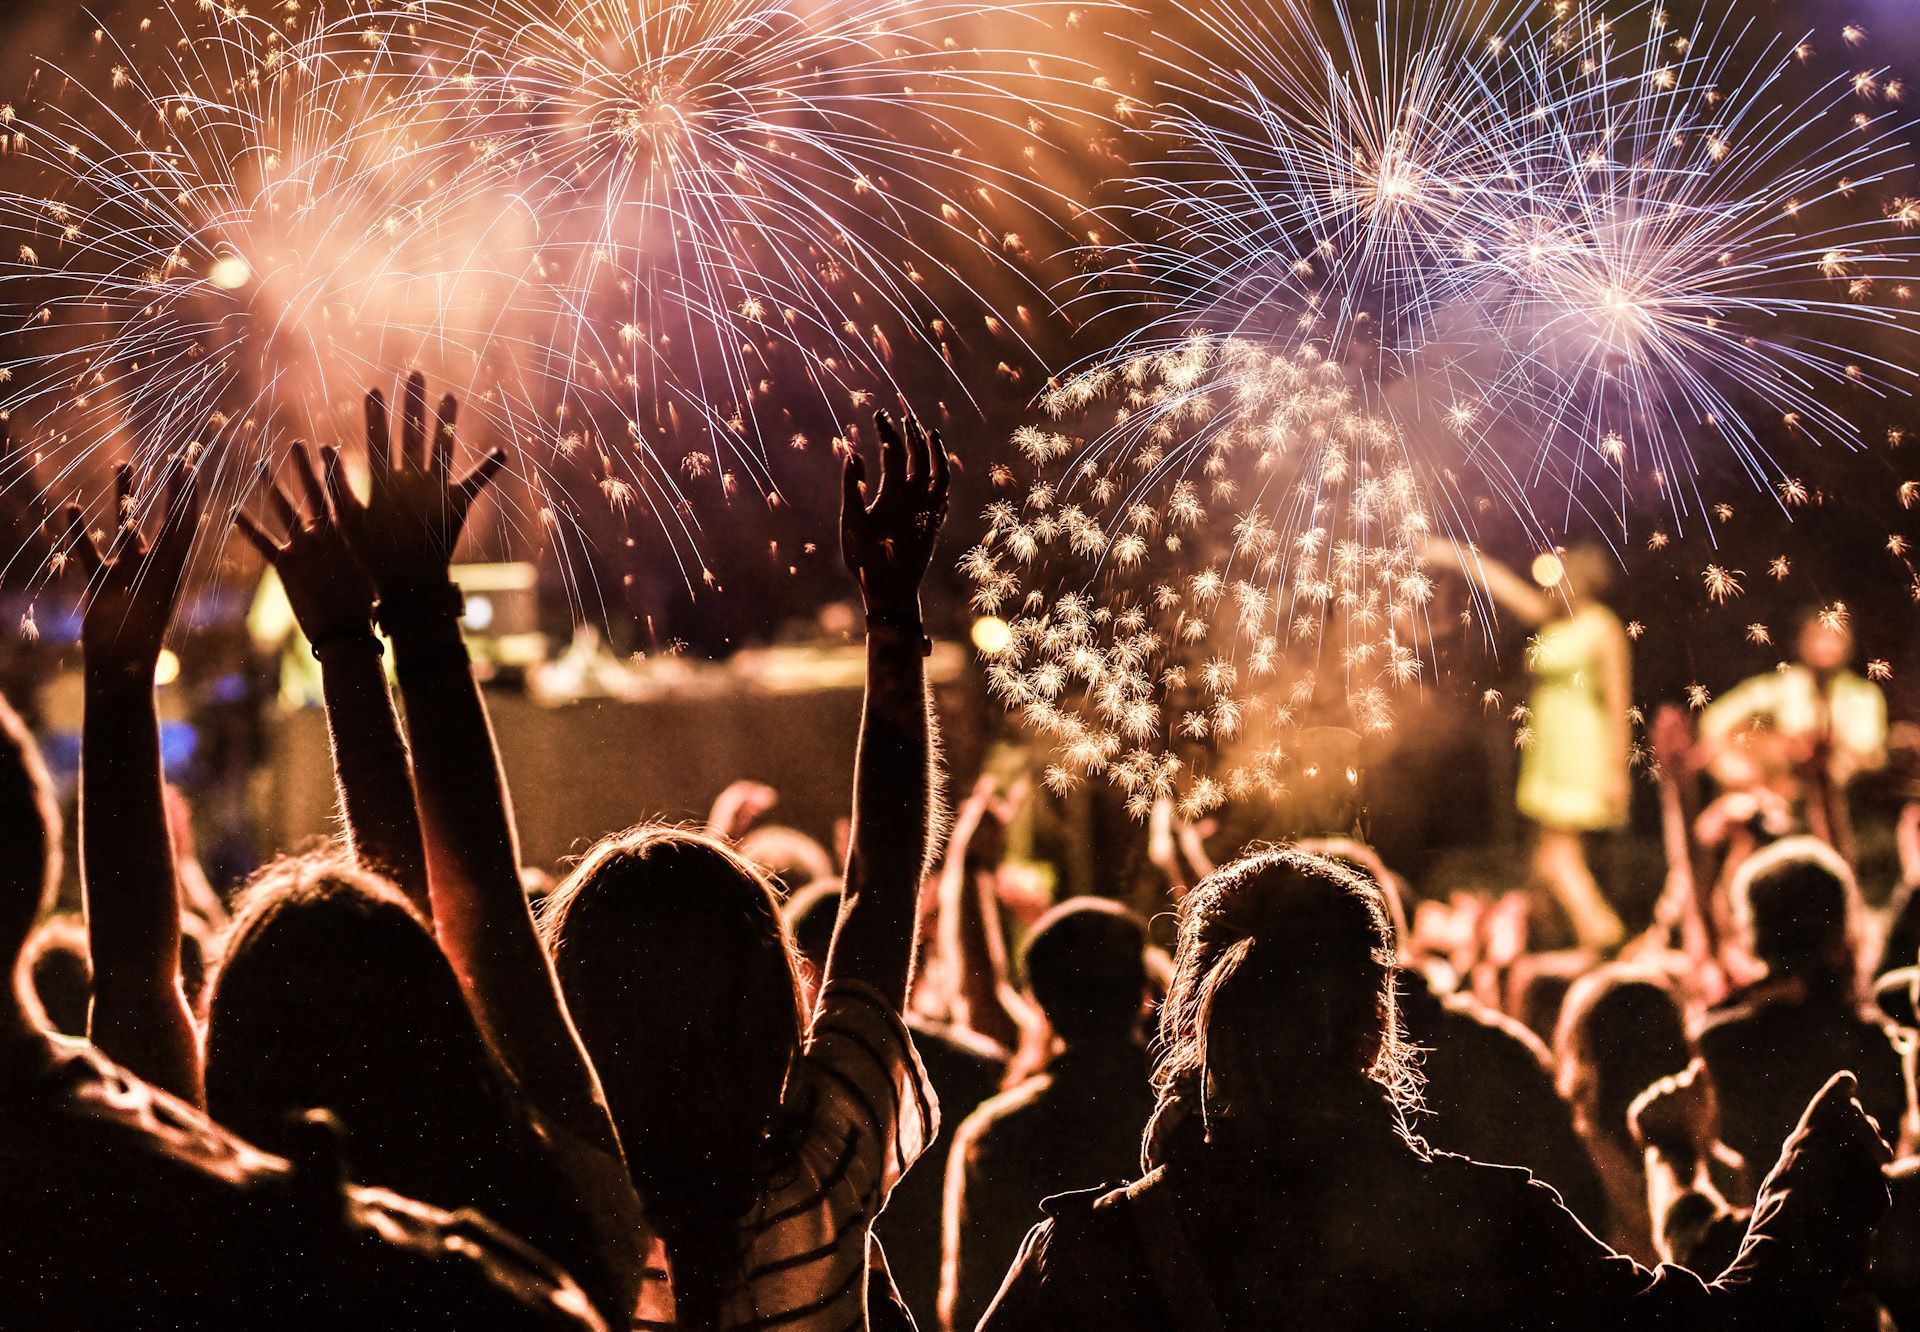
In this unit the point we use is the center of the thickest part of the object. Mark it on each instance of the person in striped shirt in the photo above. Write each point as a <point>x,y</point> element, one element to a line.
<point>763,1140</point>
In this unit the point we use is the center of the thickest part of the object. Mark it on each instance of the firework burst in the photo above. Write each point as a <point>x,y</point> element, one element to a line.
<point>628,236</point>
<point>1588,254</point>
<point>1204,580</point>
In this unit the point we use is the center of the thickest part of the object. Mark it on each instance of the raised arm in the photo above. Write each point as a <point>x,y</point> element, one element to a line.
<point>1509,590</point>
<point>140,1015</point>
<point>404,537</point>
<point>332,598</point>
<point>887,534</point>
<point>971,939</point>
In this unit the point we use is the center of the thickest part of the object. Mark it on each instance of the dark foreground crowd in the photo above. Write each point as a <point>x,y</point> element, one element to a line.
<point>386,1087</point>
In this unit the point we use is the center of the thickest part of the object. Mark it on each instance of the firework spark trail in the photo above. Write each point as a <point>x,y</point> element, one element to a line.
<point>1531,258</point>
<point>1582,246</point>
<point>749,191</point>
<point>625,235</point>
<point>226,244</point>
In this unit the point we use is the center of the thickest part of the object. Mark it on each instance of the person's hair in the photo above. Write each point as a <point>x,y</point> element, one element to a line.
<point>681,978</point>
<point>330,991</point>
<point>1300,950</point>
<point>1795,903</point>
<point>1086,967</point>
<point>1620,1032</point>
<point>30,827</point>
<point>58,970</point>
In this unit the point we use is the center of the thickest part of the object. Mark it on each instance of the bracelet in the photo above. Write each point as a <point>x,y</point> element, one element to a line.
<point>348,636</point>
<point>882,629</point>
<point>444,602</point>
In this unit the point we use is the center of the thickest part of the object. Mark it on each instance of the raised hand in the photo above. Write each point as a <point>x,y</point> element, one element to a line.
<point>405,533</point>
<point>1678,1114</point>
<point>133,584</point>
<point>887,534</point>
<point>332,596</point>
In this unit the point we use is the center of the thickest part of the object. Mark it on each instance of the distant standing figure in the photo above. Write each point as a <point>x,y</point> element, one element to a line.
<point>1573,775</point>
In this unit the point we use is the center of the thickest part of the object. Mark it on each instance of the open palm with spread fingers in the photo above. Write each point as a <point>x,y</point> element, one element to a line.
<point>331,595</point>
<point>134,583</point>
<point>405,533</point>
<point>887,534</point>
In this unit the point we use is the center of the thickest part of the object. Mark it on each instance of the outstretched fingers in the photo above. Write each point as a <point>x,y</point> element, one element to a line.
<point>893,455</point>
<point>413,422</point>
<point>261,539</point>
<point>85,548</point>
<point>440,447</point>
<point>308,474</point>
<point>940,482</point>
<point>346,504</point>
<point>478,477</point>
<point>379,436</point>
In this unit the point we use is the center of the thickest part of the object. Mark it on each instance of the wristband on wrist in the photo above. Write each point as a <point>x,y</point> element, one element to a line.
<point>341,636</point>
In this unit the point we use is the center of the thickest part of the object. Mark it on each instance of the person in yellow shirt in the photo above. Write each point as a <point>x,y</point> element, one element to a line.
<point>1573,774</point>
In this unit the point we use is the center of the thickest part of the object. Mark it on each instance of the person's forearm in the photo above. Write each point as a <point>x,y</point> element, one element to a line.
<point>370,766</point>
<point>984,983</point>
<point>892,811</point>
<point>140,1015</point>
<point>473,872</point>
<point>465,819</point>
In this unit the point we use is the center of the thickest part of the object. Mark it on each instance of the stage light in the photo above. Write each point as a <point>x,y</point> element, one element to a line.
<point>167,669</point>
<point>1548,570</point>
<point>991,635</point>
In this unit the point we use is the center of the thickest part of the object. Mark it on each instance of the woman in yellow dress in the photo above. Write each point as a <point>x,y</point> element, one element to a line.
<point>1573,774</point>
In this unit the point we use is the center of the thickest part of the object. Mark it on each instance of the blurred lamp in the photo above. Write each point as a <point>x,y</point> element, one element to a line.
<point>992,635</point>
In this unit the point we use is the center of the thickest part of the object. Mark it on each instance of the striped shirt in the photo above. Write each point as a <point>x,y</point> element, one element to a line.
<point>866,1111</point>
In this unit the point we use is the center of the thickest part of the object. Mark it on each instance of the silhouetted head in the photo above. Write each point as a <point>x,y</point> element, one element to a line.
<point>1620,1032</point>
<point>1795,905</point>
<point>332,992</point>
<point>59,975</point>
<point>1281,1018</point>
<point>1087,970</point>
<point>1824,643</point>
<point>678,971</point>
<point>30,832</point>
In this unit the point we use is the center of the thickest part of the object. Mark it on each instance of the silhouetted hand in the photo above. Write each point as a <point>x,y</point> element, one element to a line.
<point>133,585</point>
<point>887,533</point>
<point>1678,1114</point>
<point>405,533</point>
<point>738,809</point>
<point>331,595</point>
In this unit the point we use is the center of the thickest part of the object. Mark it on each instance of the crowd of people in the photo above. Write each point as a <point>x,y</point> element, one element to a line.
<point>383,1085</point>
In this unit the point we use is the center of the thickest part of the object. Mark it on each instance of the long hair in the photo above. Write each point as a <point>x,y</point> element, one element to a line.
<point>1304,948</point>
<point>331,992</point>
<point>681,978</point>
